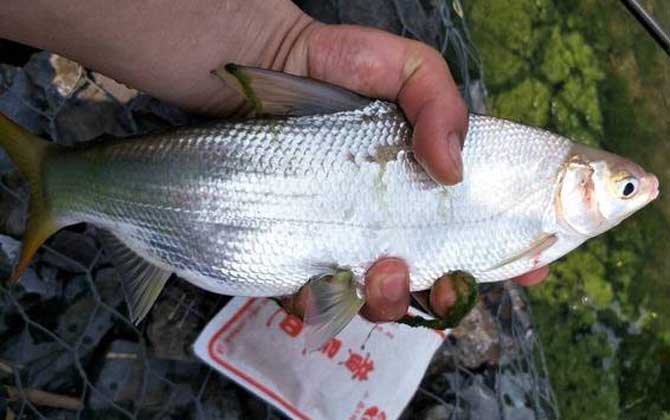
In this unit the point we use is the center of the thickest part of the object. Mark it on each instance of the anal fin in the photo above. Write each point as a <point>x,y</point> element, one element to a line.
<point>332,304</point>
<point>142,281</point>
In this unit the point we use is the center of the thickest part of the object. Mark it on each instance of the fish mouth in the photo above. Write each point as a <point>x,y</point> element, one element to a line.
<point>653,188</point>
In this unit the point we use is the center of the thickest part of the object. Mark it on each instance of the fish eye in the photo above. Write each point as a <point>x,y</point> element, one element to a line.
<point>627,187</point>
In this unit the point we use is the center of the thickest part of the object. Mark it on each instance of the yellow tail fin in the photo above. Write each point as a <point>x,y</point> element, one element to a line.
<point>29,153</point>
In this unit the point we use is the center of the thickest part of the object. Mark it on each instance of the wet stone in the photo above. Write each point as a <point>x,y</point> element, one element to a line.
<point>108,285</point>
<point>515,397</point>
<point>43,283</point>
<point>74,252</point>
<point>84,323</point>
<point>438,412</point>
<point>9,253</point>
<point>68,75</point>
<point>476,340</point>
<point>482,402</point>
<point>14,194</point>
<point>177,318</point>
<point>43,362</point>
<point>221,400</point>
<point>120,376</point>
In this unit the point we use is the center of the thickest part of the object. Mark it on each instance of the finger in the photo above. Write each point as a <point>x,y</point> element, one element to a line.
<point>533,278</point>
<point>434,106</point>
<point>387,66</point>
<point>442,297</point>
<point>386,291</point>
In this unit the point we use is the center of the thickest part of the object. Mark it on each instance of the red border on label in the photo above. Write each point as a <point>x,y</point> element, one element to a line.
<point>236,317</point>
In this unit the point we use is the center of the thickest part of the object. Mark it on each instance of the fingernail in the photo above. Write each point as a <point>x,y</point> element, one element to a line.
<point>394,287</point>
<point>442,297</point>
<point>454,145</point>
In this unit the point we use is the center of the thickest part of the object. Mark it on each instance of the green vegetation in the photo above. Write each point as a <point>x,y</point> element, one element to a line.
<point>585,69</point>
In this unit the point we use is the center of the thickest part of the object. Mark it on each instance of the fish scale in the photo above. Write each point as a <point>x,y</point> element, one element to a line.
<point>260,207</point>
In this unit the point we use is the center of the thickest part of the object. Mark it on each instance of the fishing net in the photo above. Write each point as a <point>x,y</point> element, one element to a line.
<point>67,348</point>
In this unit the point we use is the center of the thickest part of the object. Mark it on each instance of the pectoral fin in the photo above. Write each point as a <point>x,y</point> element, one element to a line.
<point>332,304</point>
<point>535,249</point>
<point>281,94</point>
<point>142,281</point>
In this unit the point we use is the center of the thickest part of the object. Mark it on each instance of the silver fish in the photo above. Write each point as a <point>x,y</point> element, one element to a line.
<point>261,206</point>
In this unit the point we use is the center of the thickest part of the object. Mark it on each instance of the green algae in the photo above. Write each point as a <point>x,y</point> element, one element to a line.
<point>586,70</point>
<point>528,101</point>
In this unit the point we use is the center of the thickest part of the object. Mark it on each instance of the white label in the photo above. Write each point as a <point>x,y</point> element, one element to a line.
<point>367,372</point>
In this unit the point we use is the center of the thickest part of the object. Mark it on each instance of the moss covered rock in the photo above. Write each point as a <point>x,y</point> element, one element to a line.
<point>587,71</point>
<point>528,102</point>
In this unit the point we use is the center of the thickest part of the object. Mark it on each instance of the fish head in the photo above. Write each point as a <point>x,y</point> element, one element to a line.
<point>598,190</point>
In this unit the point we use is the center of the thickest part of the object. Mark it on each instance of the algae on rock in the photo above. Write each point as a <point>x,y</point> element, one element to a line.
<point>590,73</point>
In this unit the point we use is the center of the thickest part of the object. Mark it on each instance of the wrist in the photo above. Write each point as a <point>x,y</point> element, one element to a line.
<point>167,52</point>
<point>268,34</point>
<point>253,33</point>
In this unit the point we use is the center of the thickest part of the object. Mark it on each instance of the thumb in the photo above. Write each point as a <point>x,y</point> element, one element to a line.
<point>378,64</point>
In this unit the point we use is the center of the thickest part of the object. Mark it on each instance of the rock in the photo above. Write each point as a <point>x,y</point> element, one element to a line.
<point>68,76</point>
<point>122,93</point>
<point>10,249</point>
<point>84,323</point>
<point>438,412</point>
<point>120,377</point>
<point>74,252</point>
<point>14,194</point>
<point>6,164</point>
<point>179,315</point>
<point>55,97</point>
<point>131,377</point>
<point>45,284</point>
<point>481,400</point>
<point>477,93</point>
<point>108,284</point>
<point>44,362</point>
<point>22,101</point>
<point>514,389</point>
<point>221,400</point>
<point>75,286</point>
<point>476,340</point>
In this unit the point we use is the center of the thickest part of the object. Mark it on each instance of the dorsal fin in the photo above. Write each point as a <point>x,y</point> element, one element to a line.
<point>142,281</point>
<point>274,93</point>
